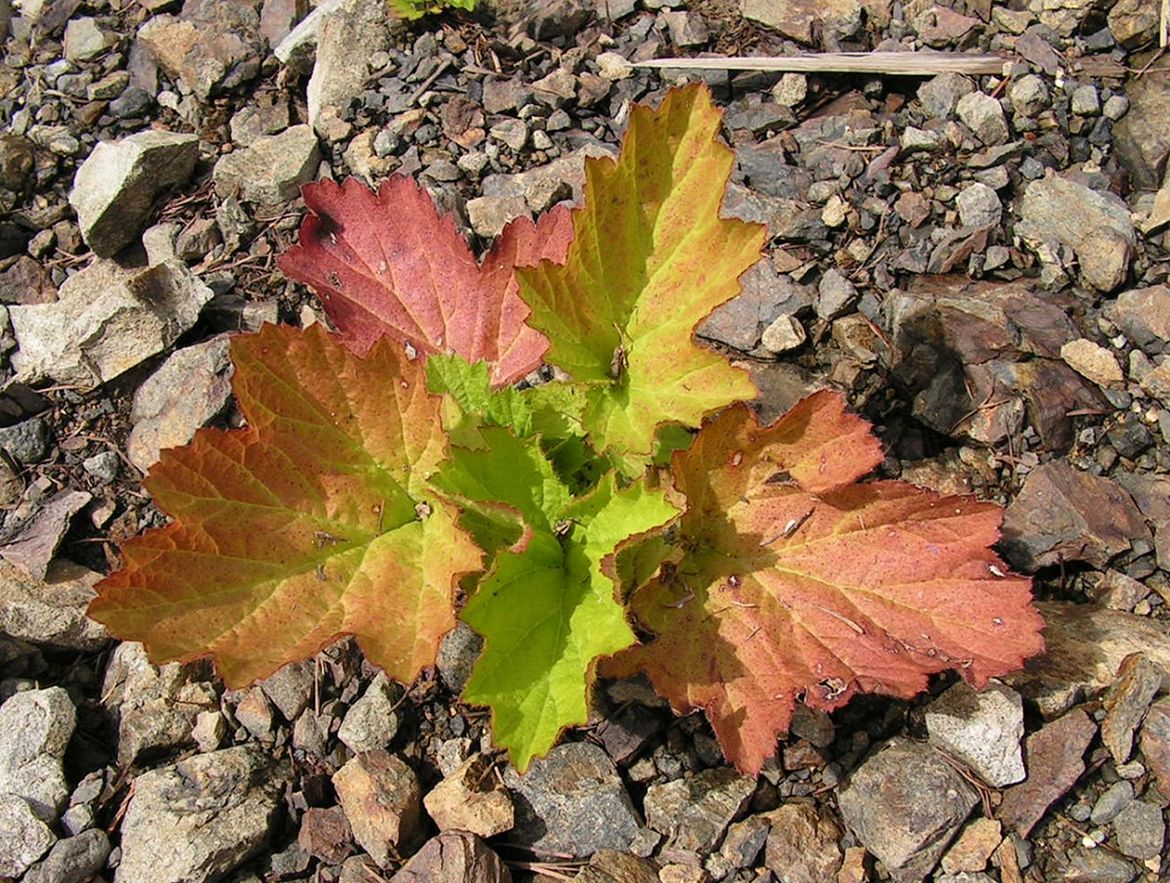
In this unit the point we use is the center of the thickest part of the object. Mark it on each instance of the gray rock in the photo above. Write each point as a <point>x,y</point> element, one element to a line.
<point>1096,226</point>
<point>488,215</point>
<point>115,188</point>
<point>983,115</point>
<point>835,295</point>
<point>26,442</point>
<point>382,799</point>
<point>155,707</point>
<point>372,721</point>
<point>72,859</point>
<point>940,94</point>
<point>24,838</point>
<point>291,688</point>
<point>31,544</point>
<point>1142,138</point>
<point>298,47</point>
<point>347,35</point>
<point>1133,23</point>
<point>189,390</point>
<point>1112,801</point>
<point>1139,681</point>
<point>766,295</point>
<point>686,28</point>
<point>458,652</point>
<point>454,857</point>
<point>1029,95</point>
<point>981,729</point>
<point>979,206</point>
<point>50,611</point>
<point>783,335</point>
<point>1085,101</point>
<point>108,319</point>
<point>35,728</point>
<point>103,467</point>
<point>84,40</point>
<point>271,170</point>
<point>200,818</point>
<point>568,169</point>
<point>694,812</point>
<point>905,803</point>
<point>572,802</point>
<point>1141,830</point>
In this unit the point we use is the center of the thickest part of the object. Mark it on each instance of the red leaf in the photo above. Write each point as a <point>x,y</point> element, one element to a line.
<point>800,583</point>
<point>387,265</point>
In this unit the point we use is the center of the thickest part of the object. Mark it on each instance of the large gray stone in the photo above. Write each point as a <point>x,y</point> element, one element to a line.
<point>271,170</point>
<point>1096,226</point>
<point>798,18</point>
<point>108,319</point>
<point>199,819</point>
<point>51,611</point>
<point>72,859</point>
<point>572,803</point>
<point>347,35</point>
<point>982,729</point>
<point>156,707</point>
<point>1142,136</point>
<point>24,838</point>
<point>35,728</point>
<point>115,188</point>
<point>189,390</point>
<point>905,803</point>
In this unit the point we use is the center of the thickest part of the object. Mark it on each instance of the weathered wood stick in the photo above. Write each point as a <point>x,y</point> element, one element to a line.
<point>910,64</point>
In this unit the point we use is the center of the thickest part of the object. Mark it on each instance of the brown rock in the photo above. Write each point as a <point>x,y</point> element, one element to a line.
<point>325,834</point>
<point>26,282</point>
<point>1155,743</point>
<point>1133,22</point>
<point>1126,703</point>
<point>454,857</point>
<point>1084,649</point>
<point>383,802</point>
<point>471,799</point>
<point>797,18</point>
<point>1144,315</point>
<point>1054,757</point>
<point>1063,514</point>
<point>973,848</point>
<point>854,868</point>
<point>611,866</point>
<point>210,46</point>
<point>1142,137</point>
<point>803,846</point>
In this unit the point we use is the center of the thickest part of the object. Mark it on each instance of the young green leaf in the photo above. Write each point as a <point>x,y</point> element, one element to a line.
<point>650,257</point>
<point>547,613</point>
<point>799,582</point>
<point>315,521</point>
<point>387,265</point>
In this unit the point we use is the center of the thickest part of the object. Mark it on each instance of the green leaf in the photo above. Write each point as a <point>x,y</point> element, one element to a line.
<point>650,257</point>
<point>470,386</point>
<point>548,613</point>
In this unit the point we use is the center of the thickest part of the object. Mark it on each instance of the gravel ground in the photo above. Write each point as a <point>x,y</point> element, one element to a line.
<point>979,262</point>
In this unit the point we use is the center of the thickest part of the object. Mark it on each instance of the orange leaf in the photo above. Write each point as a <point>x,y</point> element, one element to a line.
<point>312,523</point>
<point>800,583</point>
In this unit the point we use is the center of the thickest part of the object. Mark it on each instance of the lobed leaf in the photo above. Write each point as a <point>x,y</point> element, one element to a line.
<point>547,609</point>
<point>650,257</point>
<point>313,522</point>
<point>799,583</point>
<point>386,264</point>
